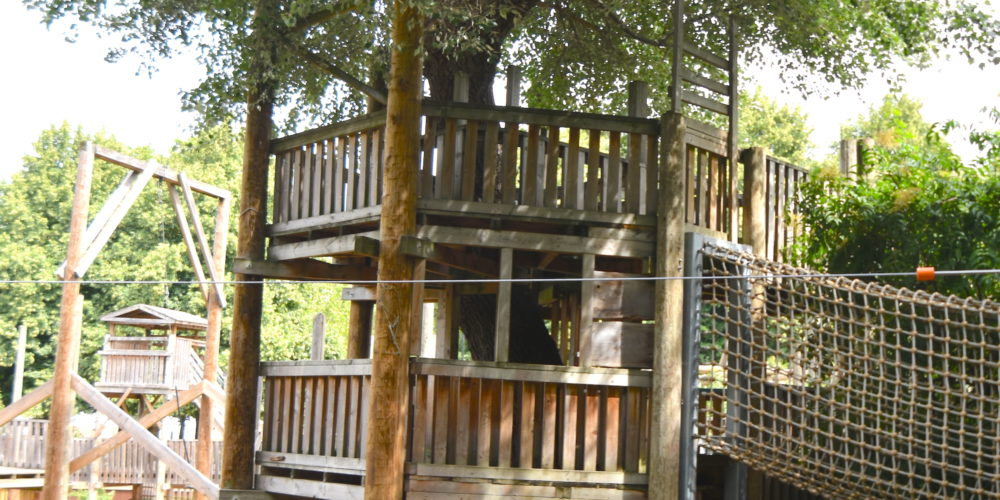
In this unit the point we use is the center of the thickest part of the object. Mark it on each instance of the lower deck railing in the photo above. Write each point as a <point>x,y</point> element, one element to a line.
<point>527,424</point>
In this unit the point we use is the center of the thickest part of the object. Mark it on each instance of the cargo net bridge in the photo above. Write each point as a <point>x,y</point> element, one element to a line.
<point>843,388</point>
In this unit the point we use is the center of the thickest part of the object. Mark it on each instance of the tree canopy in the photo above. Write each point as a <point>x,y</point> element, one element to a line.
<point>577,55</point>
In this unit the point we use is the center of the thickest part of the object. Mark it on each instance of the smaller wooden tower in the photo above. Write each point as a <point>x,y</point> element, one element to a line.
<point>151,350</point>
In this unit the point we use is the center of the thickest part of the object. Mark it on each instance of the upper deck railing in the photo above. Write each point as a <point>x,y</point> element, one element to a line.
<point>598,164</point>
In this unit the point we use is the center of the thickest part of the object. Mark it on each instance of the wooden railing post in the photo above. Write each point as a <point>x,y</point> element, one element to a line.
<point>22,340</point>
<point>754,203</point>
<point>665,432</point>
<point>316,352</point>
<point>513,86</point>
<point>848,155</point>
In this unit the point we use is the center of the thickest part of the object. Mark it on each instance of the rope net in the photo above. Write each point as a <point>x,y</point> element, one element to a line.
<point>848,389</point>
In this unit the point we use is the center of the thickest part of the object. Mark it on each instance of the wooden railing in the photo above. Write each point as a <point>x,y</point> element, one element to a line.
<point>468,420</point>
<point>150,361</point>
<point>512,156</point>
<point>711,188</point>
<point>554,424</point>
<point>782,223</point>
<point>22,445</point>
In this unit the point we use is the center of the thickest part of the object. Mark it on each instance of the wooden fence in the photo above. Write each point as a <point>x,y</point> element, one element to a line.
<point>159,362</point>
<point>22,445</point>
<point>782,223</point>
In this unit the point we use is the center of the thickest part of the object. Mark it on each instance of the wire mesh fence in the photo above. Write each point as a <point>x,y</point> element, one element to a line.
<point>848,389</point>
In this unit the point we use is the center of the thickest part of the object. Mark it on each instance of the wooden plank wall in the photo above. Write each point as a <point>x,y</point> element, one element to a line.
<point>782,224</point>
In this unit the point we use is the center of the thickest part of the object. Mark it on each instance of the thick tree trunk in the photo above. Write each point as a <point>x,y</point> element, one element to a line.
<point>385,451</point>
<point>241,387</point>
<point>530,341</point>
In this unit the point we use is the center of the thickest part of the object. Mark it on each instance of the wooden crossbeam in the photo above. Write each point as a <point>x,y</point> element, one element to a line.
<point>145,439</point>
<point>27,402</point>
<point>199,231</point>
<point>147,421</point>
<point>303,269</point>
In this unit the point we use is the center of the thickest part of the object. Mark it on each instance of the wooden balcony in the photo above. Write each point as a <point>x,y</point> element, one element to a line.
<point>476,428</point>
<point>527,179</point>
<point>150,365</point>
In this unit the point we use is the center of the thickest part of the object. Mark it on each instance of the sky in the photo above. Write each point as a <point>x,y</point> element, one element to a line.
<point>49,81</point>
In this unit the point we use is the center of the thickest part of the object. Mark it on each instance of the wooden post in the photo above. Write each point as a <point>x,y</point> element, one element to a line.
<point>385,449</point>
<point>677,59</point>
<point>58,438</point>
<point>586,330</point>
<point>848,155</point>
<point>241,387</point>
<point>665,432</point>
<point>501,348</point>
<point>446,342</point>
<point>754,202</point>
<point>513,86</point>
<point>203,452</point>
<point>734,120</point>
<point>359,329</point>
<point>22,340</point>
<point>318,348</point>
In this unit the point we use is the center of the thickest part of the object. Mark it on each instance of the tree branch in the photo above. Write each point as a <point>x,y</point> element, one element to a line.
<point>319,17</point>
<point>335,71</point>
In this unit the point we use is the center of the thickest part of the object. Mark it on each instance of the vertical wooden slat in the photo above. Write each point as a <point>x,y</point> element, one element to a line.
<point>426,180</point>
<point>781,198</point>
<point>469,161</point>
<point>712,197</point>
<point>463,423</point>
<point>526,438</point>
<point>364,169</point>
<point>375,169</point>
<point>308,395</point>
<point>340,418</point>
<point>592,434</point>
<point>631,459</point>
<point>295,423</point>
<point>329,163</point>
<point>529,182</point>
<point>316,198</point>
<point>338,174</point>
<point>351,166</point>
<point>506,445</point>
<point>612,431</point>
<point>502,324</point>
<point>446,175</point>
<point>614,180</point>
<point>442,387</point>
<point>329,416</point>
<point>508,180</point>
<point>295,184</point>
<point>634,195</point>
<point>547,433</point>
<point>490,141</point>
<point>644,426</point>
<point>280,191</point>
<point>308,162</point>
<point>482,421</point>
<point>364,401</point>
<point>690,166</point>
<point>580,424</point>
<point>351,425</point>
<point>652,169</point>
<point>591,201</point>
<point>551,179</point>
<point>572,178</point>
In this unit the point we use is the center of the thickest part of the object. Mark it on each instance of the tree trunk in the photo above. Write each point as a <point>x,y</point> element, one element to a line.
<point>241,386</point>
<point>530,341</point>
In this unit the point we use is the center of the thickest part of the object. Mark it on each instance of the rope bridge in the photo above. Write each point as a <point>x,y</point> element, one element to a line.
<point>844,388</point>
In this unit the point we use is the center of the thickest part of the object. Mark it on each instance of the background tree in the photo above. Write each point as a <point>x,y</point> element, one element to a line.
<point>783,129</point>
<point>918,206</point>
<point>34,215</point>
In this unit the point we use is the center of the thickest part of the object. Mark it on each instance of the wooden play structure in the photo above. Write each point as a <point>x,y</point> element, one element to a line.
<point>164,372</point>
<point>511,193</point>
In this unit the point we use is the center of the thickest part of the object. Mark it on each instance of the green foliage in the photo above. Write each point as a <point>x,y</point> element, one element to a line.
<point>782,129</point>
<point>897,120</point>
<point>919,206</point>
<point>34,222</point>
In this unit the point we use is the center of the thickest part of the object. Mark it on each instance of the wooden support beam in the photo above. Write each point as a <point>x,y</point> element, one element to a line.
<point>214,306</point>
<point>145,439</point>
<point>356,244</point>
<point>147,421</point>
<point>199,231</point>
<point>303,269</point>
<point>165,174</point>
<point>25,403</point>
<point>22,341</point>
<point>57,437</point>
<point>754,202</point>
<point>318,348</point>
<point>586,307</point>
<point>359,329</point>
<point>665,424</point>
<point>192,251</point>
